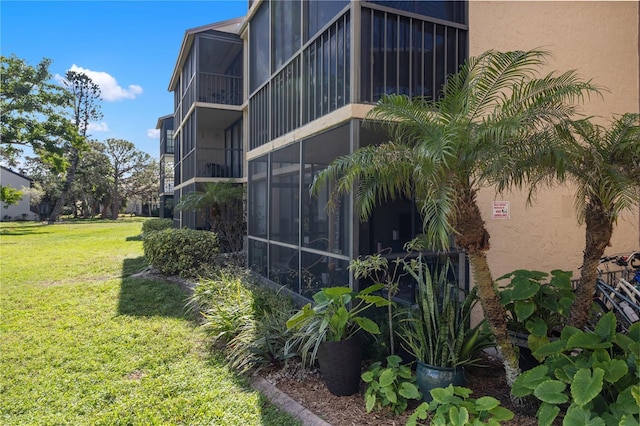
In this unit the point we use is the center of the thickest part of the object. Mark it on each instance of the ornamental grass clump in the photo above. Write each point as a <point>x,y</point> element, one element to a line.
<point>244,319</point>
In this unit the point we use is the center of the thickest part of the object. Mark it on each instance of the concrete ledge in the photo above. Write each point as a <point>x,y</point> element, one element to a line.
<point>286,403</point>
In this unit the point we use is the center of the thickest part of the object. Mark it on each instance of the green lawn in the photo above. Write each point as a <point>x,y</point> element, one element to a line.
<point>84,343</point>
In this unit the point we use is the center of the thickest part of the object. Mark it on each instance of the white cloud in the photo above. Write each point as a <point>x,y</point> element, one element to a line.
<point>98,127</point>
<point>111,90</point>
<point>153,133</point>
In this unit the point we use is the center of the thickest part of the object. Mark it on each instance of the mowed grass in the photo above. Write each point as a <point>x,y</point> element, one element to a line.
<point>82,342</point>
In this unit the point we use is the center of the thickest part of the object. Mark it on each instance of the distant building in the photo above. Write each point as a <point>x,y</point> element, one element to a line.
<point>167,151</point>
<point>22,210</point>
<point>208,92</point>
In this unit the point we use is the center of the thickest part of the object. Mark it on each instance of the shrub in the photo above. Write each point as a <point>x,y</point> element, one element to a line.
<point>261,342</point>
<point>392,386</point>
<point>595,373</point>
<point>451,406</point>
<point>183,252</point>
<point>152,225</point>
<point>249,319</point>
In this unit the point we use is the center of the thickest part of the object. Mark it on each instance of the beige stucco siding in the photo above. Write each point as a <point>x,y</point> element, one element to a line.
<point>600,41</point>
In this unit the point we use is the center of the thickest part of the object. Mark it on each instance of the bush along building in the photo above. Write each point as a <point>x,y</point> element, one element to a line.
<point>270,99</point>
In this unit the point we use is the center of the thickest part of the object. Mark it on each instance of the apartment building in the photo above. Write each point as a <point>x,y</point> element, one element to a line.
<point>207,83</point>
<point>167,147</point>
<point>272,98</point>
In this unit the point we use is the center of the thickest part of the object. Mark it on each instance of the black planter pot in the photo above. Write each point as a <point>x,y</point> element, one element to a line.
<point>340,366</point>
<point>526,360</point>
<point>431,377</point>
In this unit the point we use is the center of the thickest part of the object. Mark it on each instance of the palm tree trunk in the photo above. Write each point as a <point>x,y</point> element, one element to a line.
<point>599,228</point>
<point>495,313</point>
<point>474,239</point>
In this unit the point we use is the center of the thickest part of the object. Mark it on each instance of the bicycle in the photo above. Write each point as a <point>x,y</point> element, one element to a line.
<point>623,298</point>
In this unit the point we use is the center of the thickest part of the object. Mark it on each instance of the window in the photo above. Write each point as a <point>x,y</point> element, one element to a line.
<point>285,195</point>
<point>259,68</point>
<point>326,71</point>
<point>258,192</point>
<point>285,31</point>
<point>318,13</point>
<point>406,55</point>
<point>454,11</point>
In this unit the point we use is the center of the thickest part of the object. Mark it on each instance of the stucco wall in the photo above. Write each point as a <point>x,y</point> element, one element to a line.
<point>16,211</point>
<point>600,40</point>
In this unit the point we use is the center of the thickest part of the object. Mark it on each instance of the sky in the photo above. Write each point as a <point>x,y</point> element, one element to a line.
<point>129,48</point>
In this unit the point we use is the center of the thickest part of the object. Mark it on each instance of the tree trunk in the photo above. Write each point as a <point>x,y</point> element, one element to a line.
<point>71,175</point>
<point>115,209</point>
<point>474,239</point>
<point>106,208</point>
<point>599,228</point>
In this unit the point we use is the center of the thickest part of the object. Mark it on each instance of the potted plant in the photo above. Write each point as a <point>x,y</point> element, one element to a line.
<point>537,307</point>
<point>327,330</point>
<point>437,329</point>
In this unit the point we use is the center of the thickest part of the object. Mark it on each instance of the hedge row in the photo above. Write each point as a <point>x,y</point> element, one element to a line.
<point>184,252</point>
<point>153,225</point>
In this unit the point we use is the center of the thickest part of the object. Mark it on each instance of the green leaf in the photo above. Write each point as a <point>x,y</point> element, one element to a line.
<point>561,279</point>
<point>586,386</point>
<point>378,301</point>
<point>606,327</point>
<point>629,420</point>
<point>526,382</point>
<point>390,394</point>
<point>394,361</point>
<point>626,403</point>
<point>462,391</point>
<point>367,376</point>
<point>552,348</point>
<point>537,327</point>
<point>367,325</point>
<point>536,342</point>
<point>335,292</point>
<point>547,413</point>
<point>586,340</point>
<point>441,394</point>
<point>635,392</point>
<point>458,417</point>
<point>524,309</point>
<point>578,416</point>
<point>523,288</point>
<point>409,391</point>
<point>551,391</point>
<point>387,377</point>
<point>370,401</point>
<point>501,414</point>
<point>370,289</point>
<point>486,403</point>
<point>614,369</point>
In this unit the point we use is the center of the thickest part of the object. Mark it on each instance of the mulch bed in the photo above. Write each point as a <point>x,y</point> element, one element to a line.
<point>307,388</point>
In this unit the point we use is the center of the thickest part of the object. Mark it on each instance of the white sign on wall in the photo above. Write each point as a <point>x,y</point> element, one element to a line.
<point>500,210</point>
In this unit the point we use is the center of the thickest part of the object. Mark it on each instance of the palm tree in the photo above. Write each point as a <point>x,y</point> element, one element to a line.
<point>221,203</point>
<point>603,164</point>
<point>441,152</point>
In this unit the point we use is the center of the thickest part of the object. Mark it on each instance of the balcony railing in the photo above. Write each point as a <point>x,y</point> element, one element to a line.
<point>219,89</point>
<point>219,162</point>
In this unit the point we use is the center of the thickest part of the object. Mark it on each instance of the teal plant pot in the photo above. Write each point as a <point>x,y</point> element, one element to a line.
<point>431,377</point>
